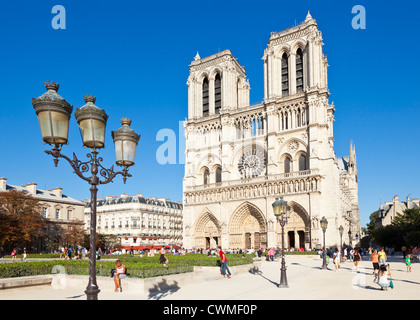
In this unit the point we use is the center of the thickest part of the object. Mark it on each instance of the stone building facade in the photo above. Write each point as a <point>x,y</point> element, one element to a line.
<point>138,221</point>
<point>390,209</point>
<point>240,158</point>
<point>60,210</point>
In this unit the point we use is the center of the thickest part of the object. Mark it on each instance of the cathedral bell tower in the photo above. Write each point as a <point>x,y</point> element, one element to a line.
<point>216,82</point>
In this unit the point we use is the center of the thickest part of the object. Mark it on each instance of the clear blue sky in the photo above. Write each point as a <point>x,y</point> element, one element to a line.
<point>134,56</point>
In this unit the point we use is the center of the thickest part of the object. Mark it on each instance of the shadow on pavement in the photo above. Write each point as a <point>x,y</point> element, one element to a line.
<point>162,289</point>
<point>255,271</point>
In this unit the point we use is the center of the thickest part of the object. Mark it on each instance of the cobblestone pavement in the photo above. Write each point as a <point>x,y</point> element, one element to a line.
<point>306,279</point>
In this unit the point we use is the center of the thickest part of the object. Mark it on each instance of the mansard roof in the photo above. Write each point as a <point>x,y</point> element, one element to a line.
<point>138,199</point>
<point>46,195</point>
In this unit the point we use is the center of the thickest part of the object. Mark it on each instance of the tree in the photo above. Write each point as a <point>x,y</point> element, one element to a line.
<point>21,221</point>
<point>74,234</point>
<point>408,221</point>
<point>404,230</point>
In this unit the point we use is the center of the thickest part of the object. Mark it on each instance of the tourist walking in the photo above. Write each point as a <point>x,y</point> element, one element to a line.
<point>408,262</point>
<point>223,266</point>
<point>337,259</point>
<point>375,262</point>
<point>271,254</point>
<point>356,258</point>
<point>382,256</point>
<point>404,251</point>
<point>13,254</point>
<point>24,254</point>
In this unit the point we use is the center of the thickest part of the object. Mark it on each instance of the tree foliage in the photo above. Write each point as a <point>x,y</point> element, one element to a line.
<point>404,230</point>
<point>21,220</point>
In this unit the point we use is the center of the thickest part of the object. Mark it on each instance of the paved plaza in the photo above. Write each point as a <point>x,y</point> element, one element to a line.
<point>306,279</point>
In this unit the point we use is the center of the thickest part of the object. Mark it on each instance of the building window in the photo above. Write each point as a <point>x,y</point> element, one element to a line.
<point>206,177</point>
<point>44,212</point>
<point>217,94</point>
<point>302,163</point>
<point>57,213</point>
<point>284,75</point>
<point>69,214</point>
<point>287,165</point>
<point>218,175</point>
<point>205,97</point>
<point>299,70</point>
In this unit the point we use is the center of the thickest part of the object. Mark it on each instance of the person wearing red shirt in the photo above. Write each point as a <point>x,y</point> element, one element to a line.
<point>223,260</point>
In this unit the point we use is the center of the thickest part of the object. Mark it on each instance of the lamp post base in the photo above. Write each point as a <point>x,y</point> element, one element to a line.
<point>283,277</point>
<point>92,292</point>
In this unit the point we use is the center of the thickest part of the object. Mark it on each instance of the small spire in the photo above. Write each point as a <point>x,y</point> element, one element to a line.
<point>197,56</point>
<point>308,17</point>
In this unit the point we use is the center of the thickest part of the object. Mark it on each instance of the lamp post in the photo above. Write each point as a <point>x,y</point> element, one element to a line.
<point>53,114</point>
<point>324,225</point>
<point>341,229</point>
<point>281,211</point>
<point>349,237</point>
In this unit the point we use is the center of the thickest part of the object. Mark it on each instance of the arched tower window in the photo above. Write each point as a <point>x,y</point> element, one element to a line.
<point>299,70</point>
<point>302,163</point>
<point>205,97</point>
<point>218,175</point>
<point>217,93</point>
<point>284,75</point>
<point>206,177</point>
<point>287,165</point>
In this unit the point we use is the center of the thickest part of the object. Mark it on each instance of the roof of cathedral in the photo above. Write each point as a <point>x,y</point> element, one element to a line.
<point>343,164</point>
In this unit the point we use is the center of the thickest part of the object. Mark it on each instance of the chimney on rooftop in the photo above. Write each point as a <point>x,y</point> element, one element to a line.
<point>3,181</point>
<point>58,192</point>
<point>31,187</point>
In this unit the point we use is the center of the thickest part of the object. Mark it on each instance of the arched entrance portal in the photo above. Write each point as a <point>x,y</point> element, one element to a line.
<point>207,231</point>
<point>297,229</point>
<point>247,228</point>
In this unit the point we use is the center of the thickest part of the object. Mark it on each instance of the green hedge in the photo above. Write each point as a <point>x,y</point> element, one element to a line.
<point>137,267</point>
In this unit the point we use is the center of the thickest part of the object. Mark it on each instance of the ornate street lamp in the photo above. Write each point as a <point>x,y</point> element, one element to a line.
<point>341,229</point>
<point>281,211</point>
<point>350,242</point>
<point>324,225</point>
<point>54,115</point>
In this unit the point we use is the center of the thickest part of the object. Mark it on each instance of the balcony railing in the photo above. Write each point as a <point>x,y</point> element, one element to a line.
<point>261,179</point>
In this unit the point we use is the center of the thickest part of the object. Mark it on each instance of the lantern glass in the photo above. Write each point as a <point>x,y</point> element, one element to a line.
<point>53,114</point>
<point>92,122</point>
<point>125,152</point>
<point>93,133</point>
<point>280,207</point>
<point>324,223</point>
<point>54,126</point>
<point>126,141</point>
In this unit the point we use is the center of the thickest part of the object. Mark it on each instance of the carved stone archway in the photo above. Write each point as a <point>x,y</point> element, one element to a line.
<point>247,227</point>
<point>207,232</point>
<point>297,229</point>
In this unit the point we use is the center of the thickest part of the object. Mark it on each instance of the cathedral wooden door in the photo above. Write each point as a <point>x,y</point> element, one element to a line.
<point>247,240</point>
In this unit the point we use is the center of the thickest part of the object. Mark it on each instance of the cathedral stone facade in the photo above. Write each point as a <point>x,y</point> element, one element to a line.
<point>241,157</point>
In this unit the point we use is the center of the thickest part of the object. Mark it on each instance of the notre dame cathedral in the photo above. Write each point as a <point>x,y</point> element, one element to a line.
<point>241,157</point>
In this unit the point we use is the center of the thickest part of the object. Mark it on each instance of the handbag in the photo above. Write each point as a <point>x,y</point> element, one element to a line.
<point>391,284</point>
